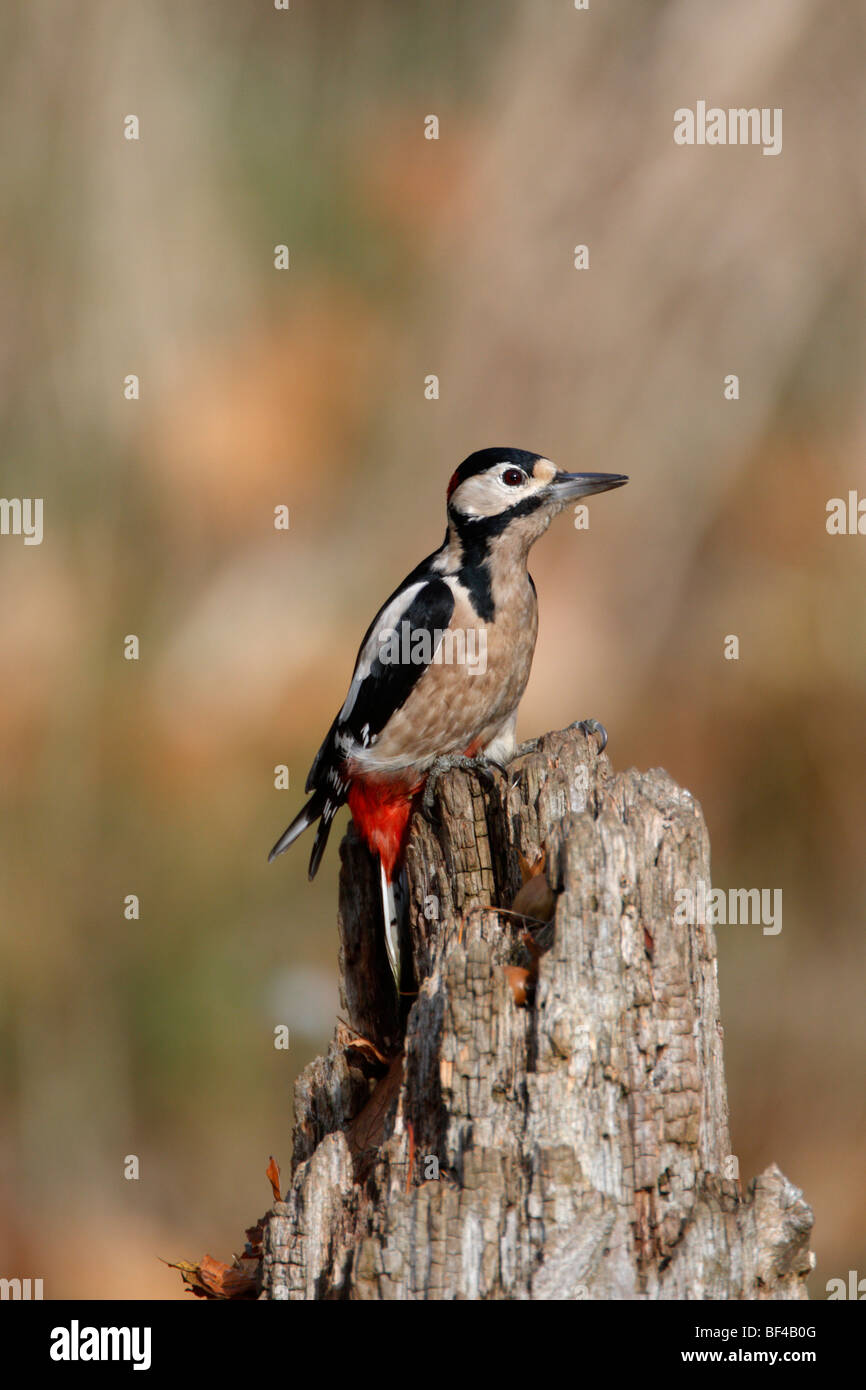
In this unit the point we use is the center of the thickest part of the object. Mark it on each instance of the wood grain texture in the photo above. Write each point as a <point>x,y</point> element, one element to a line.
<point>581,1143</point>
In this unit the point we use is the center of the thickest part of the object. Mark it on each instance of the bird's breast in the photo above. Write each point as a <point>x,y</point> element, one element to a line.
<point>474,683</point>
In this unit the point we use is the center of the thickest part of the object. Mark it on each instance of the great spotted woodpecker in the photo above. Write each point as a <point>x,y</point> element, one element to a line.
<point>444,663</point>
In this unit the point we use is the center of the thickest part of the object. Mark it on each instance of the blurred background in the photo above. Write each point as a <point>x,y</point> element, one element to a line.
<point>409,257</point>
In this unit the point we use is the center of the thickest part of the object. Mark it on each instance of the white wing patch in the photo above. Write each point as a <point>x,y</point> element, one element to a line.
<point>388,617</point>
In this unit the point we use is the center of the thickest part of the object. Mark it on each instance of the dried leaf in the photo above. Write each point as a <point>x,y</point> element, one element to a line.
<point>351,1041</point>
<point>367,1131</point>
<point>519,980</point>
<point>237,1280</point>
<point>536,899</point>
<point>213,1279</point>
<point>532,869</point>
<point>272,1172</point>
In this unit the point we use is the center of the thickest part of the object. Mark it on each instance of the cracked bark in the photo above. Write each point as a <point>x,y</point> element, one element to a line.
<point>574,1148</point>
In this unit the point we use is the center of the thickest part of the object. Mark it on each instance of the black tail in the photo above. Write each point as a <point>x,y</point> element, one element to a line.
<point>320,809</point>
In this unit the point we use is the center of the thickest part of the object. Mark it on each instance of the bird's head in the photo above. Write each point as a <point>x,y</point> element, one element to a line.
<point>499,490</point>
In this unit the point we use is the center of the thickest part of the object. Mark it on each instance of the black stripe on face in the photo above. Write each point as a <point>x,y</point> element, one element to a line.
<point>476,535</point>
<point>478,531</point>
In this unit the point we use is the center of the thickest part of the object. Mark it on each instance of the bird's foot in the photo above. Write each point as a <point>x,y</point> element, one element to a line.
<point>592,726</point>
<point>529,746</point>
<point>451,761</point>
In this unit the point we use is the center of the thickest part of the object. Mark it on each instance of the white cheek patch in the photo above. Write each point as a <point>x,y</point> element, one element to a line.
<point>486,495</point>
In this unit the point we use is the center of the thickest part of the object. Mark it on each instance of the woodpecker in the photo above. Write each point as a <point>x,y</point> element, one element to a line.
<point>444,663</point>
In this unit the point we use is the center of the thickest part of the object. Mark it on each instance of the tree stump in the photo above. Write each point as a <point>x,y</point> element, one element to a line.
<point>463,1146</point>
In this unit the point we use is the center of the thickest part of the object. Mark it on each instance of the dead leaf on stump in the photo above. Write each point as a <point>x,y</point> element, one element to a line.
<point>351,1041</point>
<point>535,898</point>
<point>215,1279</point>
<point>520,981</point>
<point>272,1172</point>
<point>366,1133</point>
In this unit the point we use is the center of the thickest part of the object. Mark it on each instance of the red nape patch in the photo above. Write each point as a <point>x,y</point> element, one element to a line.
<point>452,485</point>
<point>381,812</point>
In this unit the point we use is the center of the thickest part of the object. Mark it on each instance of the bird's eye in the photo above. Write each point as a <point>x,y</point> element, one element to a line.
<point>514,477</point>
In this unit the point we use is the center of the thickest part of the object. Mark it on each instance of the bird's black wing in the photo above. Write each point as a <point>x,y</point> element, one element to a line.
<point>418,613</point>
<point>422,606</point>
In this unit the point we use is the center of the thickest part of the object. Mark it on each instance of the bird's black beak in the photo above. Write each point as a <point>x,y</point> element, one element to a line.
<point>566,486</point>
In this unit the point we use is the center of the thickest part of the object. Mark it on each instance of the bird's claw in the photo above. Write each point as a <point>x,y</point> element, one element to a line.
<point>449,763</point>
<point>530,745</point>
<point>593,726</point>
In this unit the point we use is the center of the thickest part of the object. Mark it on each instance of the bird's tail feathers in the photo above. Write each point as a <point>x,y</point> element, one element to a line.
<point>327,814</point>
<point>317,808</point>
<point>305,817</point>
<point>395,902</point>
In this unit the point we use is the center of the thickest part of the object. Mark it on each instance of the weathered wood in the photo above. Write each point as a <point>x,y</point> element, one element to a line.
<point>581,1143</point>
